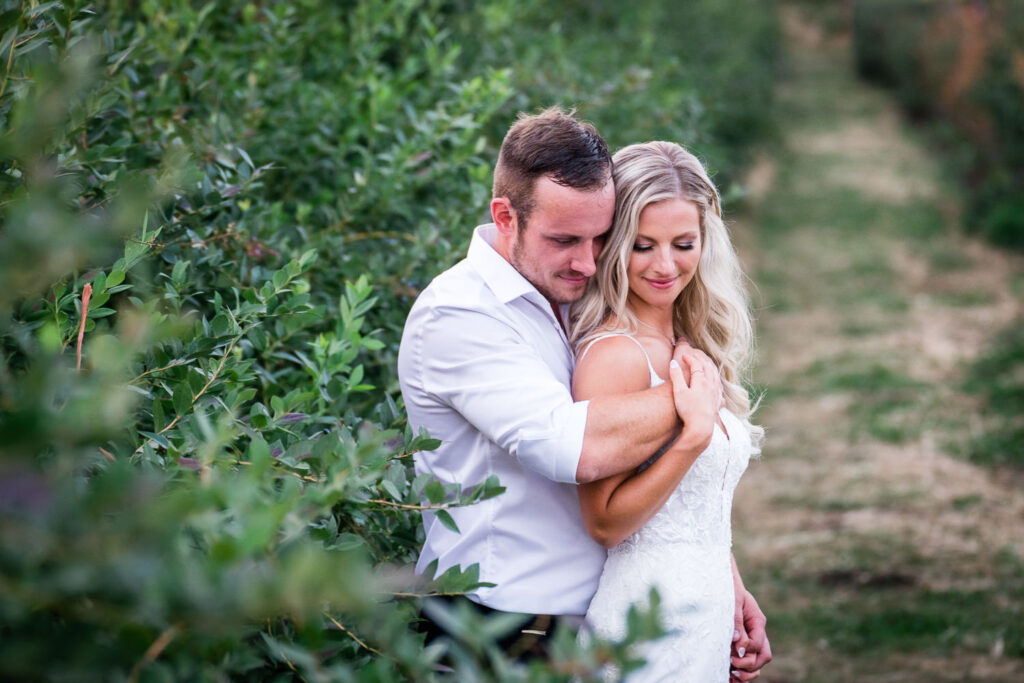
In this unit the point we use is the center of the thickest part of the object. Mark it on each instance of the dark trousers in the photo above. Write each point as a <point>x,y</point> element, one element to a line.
<point>526,643</point>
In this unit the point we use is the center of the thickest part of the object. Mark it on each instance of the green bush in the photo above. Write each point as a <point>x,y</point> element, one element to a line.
<point>254,193</point>
<point>955,61</point>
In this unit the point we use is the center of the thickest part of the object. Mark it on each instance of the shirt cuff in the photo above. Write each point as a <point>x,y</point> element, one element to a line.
<point>556,455</point>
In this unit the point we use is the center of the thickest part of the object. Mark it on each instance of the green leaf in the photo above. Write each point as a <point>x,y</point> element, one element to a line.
<point>179,273</point>
<point>182,398</point>
<point>348,541</point>
<point>158,415</point>
<point>356,377</point>
<point>446,519</point>
<point>221,325</point>
<point>391,489</point>
<point>277,406</point>
<point>434,492</point>
<point>259,454</point>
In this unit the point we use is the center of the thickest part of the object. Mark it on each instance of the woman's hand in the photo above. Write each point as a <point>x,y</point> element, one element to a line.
<point>696,388</point>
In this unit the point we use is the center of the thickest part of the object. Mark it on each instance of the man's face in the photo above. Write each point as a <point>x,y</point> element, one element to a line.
<point>564,234</point>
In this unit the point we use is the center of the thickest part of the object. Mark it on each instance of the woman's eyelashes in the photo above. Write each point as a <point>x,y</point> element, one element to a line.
<point>681,246</point>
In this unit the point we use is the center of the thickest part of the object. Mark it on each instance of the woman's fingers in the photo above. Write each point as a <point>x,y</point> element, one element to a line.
<point>701,369</point>
<point>675,372</point>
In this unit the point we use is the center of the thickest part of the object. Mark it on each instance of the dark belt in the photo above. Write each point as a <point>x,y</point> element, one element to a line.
<point>528,642</point>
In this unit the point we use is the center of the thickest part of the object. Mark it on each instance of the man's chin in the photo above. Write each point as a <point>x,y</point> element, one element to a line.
<point>566,295</point>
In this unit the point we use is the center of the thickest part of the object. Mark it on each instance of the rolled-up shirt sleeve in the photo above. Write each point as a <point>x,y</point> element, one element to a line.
<point>486,371</point>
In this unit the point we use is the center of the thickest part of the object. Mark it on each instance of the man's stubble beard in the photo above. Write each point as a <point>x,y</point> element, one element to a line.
<point>519,261</point>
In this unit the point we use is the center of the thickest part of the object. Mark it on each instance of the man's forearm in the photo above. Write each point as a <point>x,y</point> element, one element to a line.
<point>622,431</point>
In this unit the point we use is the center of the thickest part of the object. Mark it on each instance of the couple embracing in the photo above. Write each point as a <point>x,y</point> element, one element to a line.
<point>589,352</point>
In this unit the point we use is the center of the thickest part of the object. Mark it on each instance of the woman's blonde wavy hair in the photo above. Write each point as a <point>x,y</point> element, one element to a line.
<point>713,311</point>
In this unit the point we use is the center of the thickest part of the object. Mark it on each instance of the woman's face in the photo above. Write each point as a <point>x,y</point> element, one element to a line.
<point>665,254</point>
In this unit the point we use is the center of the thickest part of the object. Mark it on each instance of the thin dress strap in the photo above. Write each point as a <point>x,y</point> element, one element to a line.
<point>655,379</point>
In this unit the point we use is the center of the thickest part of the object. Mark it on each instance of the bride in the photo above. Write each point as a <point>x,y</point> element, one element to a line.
<point>668,274</point>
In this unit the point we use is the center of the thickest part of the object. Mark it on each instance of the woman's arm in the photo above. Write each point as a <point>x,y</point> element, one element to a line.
<point>615,507</point>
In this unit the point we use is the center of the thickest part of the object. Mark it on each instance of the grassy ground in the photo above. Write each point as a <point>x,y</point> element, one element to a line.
<point>878,548</point>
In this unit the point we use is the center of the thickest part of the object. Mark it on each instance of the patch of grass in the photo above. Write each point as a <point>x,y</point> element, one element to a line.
<point>1017,285</point>
<point>1001,444</point>
<point>872,378</point>
<point>967,502</point>
<point>921,221</point>
<point>998,377</point>
<point>964,298</point>
<point>881,500</point>
<point>922,622</point>
<point>879,609</point>
<point>860,328</point>
<point>894,421</point>
<point>946,258</point>
<point>888,404</point>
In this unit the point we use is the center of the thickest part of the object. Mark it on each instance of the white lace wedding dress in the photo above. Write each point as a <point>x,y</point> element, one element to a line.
<point>684,552</point>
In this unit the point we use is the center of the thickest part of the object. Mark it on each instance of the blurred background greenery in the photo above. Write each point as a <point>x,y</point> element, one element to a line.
<point>252,194</point>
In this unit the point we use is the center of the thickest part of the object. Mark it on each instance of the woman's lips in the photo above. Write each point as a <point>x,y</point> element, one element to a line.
<point>661,284</point>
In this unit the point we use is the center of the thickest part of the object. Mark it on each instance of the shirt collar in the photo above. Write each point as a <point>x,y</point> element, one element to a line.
<point>501,277</point>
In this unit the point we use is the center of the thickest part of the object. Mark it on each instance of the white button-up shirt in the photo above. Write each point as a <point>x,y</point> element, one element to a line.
<point>486,368</point>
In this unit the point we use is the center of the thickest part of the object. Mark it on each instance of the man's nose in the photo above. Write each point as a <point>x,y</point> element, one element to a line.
<point>583,261</point>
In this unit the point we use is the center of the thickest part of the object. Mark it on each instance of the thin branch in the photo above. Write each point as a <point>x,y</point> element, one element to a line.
<point>405,506</point>
<point>427,595</point>
<point>294,474</point>
<point>377,234</point>
<point>211,380</point>
<point>154,650</point>
<point>154,370</point>
<point>7,71</point>
<point>351,635</point>
<point>86,295</point>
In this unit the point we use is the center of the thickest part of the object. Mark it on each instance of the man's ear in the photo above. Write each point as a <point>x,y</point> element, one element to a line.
<point>504,216</point>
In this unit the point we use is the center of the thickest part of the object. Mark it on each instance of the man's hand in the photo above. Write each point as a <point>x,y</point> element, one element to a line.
<point>750,647</point>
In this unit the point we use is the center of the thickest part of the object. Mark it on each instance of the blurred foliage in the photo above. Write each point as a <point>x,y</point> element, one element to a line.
<point>961,61</point>
<point>222,211</point>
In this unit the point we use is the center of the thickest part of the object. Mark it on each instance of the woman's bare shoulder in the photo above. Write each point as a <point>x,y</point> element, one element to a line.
<point>614,364</point>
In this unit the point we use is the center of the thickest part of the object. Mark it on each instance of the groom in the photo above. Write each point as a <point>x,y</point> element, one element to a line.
<point>485,366</point>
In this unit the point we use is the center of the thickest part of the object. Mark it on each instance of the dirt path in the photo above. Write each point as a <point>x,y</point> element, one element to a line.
<point>878,553</point>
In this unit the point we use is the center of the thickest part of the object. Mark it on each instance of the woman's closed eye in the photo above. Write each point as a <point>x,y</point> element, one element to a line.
<point>681,246</point>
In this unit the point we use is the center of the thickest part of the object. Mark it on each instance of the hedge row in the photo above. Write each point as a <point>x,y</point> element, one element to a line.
<point>963,62</point>
<point>213,219</point>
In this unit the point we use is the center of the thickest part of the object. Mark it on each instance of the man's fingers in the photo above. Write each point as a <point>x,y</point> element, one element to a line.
<point>746,662</point>
<point>764,655</point>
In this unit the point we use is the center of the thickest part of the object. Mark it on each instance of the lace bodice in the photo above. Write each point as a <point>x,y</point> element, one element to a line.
<point>699,510</point>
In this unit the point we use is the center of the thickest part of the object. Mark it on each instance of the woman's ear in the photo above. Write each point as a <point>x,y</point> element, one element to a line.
<point>504,216</point>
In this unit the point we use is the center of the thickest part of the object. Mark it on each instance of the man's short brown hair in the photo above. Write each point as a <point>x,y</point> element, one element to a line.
<point>554,144</point>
